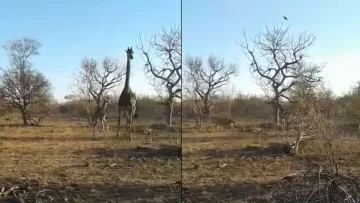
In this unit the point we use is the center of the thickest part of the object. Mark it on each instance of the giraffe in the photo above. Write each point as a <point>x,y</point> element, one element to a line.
<point>127,99</point>
<point>100,115</point>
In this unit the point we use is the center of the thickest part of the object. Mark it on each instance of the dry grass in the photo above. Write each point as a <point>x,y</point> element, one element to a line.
<point>238,166</point>
<point>60,162</point>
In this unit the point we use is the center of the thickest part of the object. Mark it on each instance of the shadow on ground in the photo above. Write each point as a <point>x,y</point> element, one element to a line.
<point>60,139</point>
<point>282,190</point>
<point>273,150</point>
<point>72,138</point>
<point>19,125</point>
<point>161,152</point>
<point>232,136</point>
<point>225,193</point>
<point>31,191</point>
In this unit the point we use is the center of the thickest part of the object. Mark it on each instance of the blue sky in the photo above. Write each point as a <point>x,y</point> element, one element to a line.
<point>70,30</point>
<point>211,26</point>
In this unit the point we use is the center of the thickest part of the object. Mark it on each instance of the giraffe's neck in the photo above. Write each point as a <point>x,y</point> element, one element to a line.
<point>127,77</point>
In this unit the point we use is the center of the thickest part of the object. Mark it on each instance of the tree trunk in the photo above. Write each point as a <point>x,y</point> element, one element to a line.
<point>198,115</point>
<point>24,116</point>
<point>206,108</point>
<point>206,111</point>
<point>277,113</point>
<point>278,116</point>
<point>170,111</point>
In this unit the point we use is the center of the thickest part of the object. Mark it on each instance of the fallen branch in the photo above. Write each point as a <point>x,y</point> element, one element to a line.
<point>222,166</point>
<point>12,189</point>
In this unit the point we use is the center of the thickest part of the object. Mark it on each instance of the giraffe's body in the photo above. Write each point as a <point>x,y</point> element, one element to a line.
<point>127,100</point>
<point>100,116</point>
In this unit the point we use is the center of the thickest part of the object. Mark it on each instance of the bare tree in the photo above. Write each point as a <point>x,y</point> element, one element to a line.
<point>21,84</point>
<point>195,105</point>
<point>306,113</point>
<point>93,83</point>
<point>77,105</point>
<point>165,76</point>
<point>41,110</point>
<point>316,91</point>
<point>207,80</point>
<point>277,61</point>
<point>349,104</point>
<point>228,96</point>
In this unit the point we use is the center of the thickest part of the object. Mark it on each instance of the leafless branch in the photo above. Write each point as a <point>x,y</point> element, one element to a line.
<point>94,81</point>
<point>167,48</point>
<point>206,81</point>
<point>164,75</point>
<point>277,61</point>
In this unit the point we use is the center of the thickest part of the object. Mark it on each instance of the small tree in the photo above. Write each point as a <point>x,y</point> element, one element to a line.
<point>349,104</point>
<point>21,85</point>
<point>75,106</point>
<point>93,82</point>
<point>277,61</point>
<point>207,80</point>
<point>195,104</point>
<point>324,97</point>
<point>165,76</point>
<point>228,98</point>
<point>304,111</point>
<point>38,112</point>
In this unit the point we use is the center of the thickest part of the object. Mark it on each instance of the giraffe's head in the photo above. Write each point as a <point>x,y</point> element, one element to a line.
<point>130,52</point>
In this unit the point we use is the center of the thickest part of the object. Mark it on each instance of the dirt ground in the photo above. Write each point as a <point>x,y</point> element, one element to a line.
<point>238,166</point>
<point>60,162</point>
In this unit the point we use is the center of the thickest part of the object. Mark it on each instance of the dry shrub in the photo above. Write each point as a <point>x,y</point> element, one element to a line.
<point>322,174</point>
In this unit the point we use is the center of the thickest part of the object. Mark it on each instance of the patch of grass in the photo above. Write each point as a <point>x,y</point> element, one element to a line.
<point>237,166</point>
<point>61,162</point>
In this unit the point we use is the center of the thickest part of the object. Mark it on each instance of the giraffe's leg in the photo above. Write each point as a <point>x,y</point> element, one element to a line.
<point>119,122</point>
<point>94,127</point>
<point>128,119</point>
<point>130,124</point>
<point>133,116</point>
<point>106,126</point>
<point>91,127</point>
<point>103,126</point>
